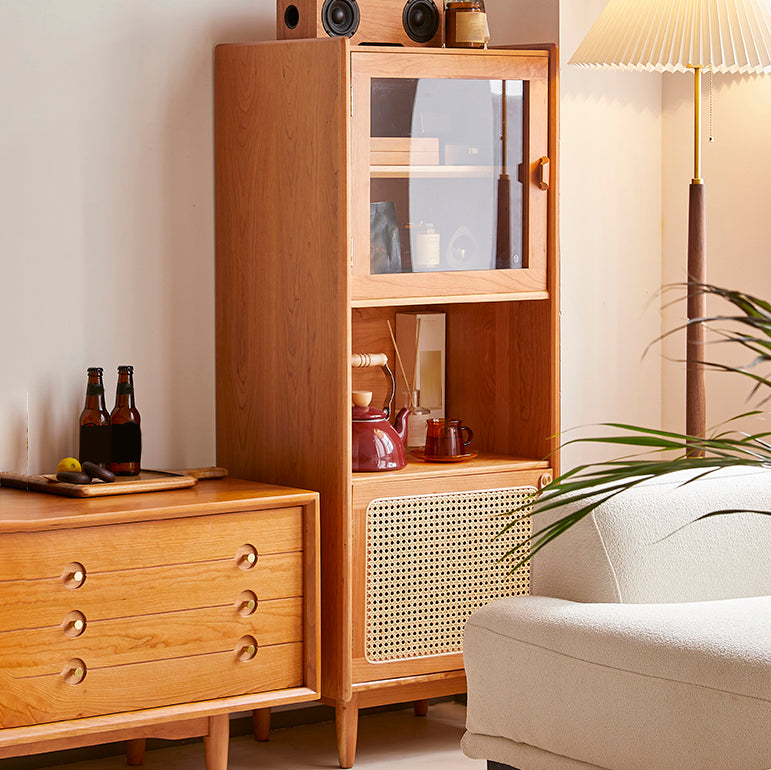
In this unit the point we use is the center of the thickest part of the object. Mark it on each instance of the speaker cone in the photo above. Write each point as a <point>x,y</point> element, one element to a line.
<point>420,19</point>
<point>340,17</point>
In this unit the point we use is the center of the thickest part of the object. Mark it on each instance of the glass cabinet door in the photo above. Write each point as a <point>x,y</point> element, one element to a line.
<point>445,171</point>
<point>445,159</point>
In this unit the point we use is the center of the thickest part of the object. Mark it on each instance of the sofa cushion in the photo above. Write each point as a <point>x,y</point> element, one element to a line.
<point>666,686</point>
<point>645,544</point>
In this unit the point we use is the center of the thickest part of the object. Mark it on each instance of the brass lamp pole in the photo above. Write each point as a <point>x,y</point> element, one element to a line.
<point>726,36</point>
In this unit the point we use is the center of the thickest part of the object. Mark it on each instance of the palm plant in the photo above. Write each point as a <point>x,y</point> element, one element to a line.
<point>658,452</point>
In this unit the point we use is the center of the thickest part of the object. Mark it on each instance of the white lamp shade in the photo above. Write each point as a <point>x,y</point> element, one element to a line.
<point>670,35</point>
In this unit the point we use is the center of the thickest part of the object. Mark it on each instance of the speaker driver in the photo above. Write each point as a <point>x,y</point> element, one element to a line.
<point>340,17</point>
<point>420,19</point>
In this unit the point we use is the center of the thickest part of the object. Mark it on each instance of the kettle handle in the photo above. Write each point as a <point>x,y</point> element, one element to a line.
<point>365,360</point>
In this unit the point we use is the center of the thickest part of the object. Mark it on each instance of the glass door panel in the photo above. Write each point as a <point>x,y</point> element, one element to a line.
<point>446,159</point>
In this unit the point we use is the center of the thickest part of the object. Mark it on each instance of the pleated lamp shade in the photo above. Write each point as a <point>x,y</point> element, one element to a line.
<point>730,36</point>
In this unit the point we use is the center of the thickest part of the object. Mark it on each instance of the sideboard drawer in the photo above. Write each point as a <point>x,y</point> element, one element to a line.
<point>135,592</point>
<point>40,555</point>
<point>104,619</point>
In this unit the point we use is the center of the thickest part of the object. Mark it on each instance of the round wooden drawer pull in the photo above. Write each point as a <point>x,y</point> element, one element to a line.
<point>246,648</point>
<point>246,556</point>
<point>74,671</point>
<point>246,603</point>
<point>74,575</point>
<point>74,624</point>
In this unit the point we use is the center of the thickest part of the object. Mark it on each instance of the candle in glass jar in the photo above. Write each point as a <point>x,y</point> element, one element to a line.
<point>466,24</point>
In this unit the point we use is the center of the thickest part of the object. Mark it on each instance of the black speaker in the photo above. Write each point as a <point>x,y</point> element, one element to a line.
<point>340,18</point>
<point>420,19</point>
<point>378,22</point>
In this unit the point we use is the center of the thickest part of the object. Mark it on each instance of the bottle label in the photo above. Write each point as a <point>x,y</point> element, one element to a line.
<point>124,389</point>
<point>416,430</point>
<point>95,444</point>
<point>126,443</point>
<point>471,27</point>
<point>94,389</point>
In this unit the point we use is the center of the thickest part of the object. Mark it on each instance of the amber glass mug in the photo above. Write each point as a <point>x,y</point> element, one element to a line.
<point>446,438</point>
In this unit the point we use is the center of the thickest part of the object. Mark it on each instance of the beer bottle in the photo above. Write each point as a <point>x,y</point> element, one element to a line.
<point>126,433</point>
<point>95,422</point>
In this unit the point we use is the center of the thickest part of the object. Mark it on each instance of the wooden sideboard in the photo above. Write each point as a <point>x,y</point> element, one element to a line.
<point>158,614</point>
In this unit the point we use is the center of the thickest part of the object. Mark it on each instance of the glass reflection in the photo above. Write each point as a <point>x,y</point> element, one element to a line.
<point>444,191</point>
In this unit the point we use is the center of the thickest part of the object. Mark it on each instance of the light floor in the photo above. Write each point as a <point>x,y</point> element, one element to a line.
<point>387,739</point>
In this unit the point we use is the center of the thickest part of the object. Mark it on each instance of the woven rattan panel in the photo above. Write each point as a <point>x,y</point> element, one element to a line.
<point>431,561</point>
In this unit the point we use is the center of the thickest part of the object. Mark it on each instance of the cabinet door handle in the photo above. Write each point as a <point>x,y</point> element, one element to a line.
<point>544,173</point>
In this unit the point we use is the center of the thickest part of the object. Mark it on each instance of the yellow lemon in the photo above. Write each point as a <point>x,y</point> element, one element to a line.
<point>68,464</point>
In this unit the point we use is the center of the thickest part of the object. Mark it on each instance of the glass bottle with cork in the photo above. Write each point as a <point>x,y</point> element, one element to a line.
<point>126,431</point>
<point>94,432</point>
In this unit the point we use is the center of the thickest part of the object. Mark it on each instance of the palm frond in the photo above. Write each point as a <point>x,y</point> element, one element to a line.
<point>653,452</point>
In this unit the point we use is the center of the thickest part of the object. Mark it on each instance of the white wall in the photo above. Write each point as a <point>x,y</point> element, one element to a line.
<point>516,22</point>
<point>106,195</point>
<point>107,199</point>
<point>610,216</point>
<point>610,241</point>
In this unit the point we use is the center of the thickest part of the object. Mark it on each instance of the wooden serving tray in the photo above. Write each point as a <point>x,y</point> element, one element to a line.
<point>146,481</point>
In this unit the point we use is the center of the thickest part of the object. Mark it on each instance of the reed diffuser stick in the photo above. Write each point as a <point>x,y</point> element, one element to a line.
<point>401,365</point>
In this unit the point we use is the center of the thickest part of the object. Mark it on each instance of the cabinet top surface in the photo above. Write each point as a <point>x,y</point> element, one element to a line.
<point>344,43</point>
<point>33,511</point>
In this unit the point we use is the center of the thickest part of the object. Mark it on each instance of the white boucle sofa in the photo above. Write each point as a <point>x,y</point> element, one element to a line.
<point>646,642</point>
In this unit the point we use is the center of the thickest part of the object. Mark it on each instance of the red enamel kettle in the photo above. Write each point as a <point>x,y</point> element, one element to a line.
<point>377,445</point>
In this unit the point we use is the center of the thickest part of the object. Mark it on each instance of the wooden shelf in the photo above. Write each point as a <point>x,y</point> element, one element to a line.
<point>484,463</point>
<point>433,172</point>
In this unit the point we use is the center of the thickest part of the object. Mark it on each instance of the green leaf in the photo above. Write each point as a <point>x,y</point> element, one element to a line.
<point>587,486</point>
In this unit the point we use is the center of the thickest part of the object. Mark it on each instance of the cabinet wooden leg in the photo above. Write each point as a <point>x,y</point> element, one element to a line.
<point>347,725</point>
<point>216,742</point>
<point>261,724</point>
<point>135,751</point>
<point>420,707</point>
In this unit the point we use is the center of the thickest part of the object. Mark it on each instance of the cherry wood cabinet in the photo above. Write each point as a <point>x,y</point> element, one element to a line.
<point>154,614</point>
<point>313,139</point>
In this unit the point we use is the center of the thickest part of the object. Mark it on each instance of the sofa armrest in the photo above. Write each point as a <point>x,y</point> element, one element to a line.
<point>679,684</point>
<point>645,545</point>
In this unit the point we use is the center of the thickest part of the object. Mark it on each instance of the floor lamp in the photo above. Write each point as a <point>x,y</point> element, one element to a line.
<point>725,36</point>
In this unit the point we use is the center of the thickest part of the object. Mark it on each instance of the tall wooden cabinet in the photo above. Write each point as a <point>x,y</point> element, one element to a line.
<point>354,183</point>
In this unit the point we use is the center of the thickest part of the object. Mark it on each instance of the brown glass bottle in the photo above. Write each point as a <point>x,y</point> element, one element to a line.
<point>95,422</point>
<point>125,429</point>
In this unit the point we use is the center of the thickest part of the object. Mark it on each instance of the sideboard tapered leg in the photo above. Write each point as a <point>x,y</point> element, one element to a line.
<point>216,743</point>
<point>347,725</point>
<point>261,724</point>
<point>135,752</point>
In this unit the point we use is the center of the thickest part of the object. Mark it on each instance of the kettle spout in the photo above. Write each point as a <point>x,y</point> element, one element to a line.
<point>400,424</point>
